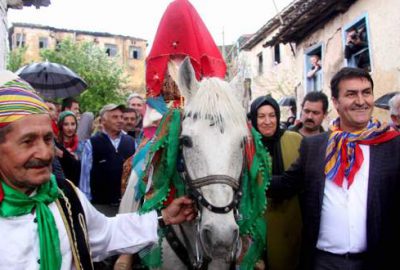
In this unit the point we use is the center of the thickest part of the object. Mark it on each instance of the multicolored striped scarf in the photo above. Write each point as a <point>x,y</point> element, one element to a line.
<point>343,154</point>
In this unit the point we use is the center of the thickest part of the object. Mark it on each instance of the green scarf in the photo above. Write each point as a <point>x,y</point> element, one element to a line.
<point>16,203</point>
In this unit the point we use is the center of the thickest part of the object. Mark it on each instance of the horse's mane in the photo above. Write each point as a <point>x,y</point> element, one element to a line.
<point>215,101</point>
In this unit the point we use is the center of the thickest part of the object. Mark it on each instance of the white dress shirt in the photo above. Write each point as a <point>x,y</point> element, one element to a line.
<point>124,233</point>
<point>343,225</point>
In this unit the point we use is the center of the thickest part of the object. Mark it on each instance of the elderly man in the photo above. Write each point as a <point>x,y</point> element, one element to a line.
<point>46,223</point>
<point>348,180</point>
<point>313,111</point>
<point>394,105</point>
<point>103,158</point>
<point>135,101</point>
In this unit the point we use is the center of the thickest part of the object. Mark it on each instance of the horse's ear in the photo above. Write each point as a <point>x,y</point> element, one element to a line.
<point>187,81</point>
<point>242,90</point>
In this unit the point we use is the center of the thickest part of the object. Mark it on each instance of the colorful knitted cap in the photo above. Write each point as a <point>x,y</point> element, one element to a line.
<point>17,99</point>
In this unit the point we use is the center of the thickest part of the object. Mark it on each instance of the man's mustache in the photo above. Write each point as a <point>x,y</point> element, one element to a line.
<point>309,121</point>
<point>34,163</point>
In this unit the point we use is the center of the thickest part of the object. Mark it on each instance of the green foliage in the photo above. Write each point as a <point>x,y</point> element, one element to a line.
<point>16,58</point>
<point>103,75</point>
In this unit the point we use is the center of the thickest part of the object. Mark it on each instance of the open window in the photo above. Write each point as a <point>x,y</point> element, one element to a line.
<point>135,52</point>
<point>313,68</point>
<point>356,48</point>
<point>19,40</point>
<point>43,43</point>
<point>260,63</point>
<point>111,49</point>
<point>277,54</point>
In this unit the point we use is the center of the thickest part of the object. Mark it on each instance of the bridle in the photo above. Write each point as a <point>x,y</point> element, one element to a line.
<point>201,258</point>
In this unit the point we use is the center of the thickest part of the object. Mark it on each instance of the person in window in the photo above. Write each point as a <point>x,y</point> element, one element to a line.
<point>355,42</point>
<point>315,61</point>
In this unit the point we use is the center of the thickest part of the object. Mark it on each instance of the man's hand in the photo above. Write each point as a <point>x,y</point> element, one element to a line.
<point>180,210</point>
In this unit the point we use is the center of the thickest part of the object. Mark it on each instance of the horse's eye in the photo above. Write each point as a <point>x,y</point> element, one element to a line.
<point>186,141</point>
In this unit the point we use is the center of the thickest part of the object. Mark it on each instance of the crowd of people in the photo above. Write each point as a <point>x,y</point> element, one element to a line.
<point>332,201</point>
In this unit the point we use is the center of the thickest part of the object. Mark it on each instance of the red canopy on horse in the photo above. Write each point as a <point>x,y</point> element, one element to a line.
<point>181,33</point>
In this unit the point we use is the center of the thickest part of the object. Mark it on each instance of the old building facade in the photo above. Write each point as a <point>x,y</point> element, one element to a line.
<point>4,6</point>
<point>280,52</point>
<point>130,52</point>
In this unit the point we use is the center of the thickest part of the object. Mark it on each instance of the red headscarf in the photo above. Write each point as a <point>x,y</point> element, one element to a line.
<point>182,32</point>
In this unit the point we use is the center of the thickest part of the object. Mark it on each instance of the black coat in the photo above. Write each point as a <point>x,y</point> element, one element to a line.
<point>383,199</point>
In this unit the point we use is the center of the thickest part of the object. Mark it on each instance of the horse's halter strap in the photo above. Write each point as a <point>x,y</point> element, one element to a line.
<point>193,186</point>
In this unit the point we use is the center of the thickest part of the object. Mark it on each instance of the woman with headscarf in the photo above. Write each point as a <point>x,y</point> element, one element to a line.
<point>283,216</point>
<point>69,145</point>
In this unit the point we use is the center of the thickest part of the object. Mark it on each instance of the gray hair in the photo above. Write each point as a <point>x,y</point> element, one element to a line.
<point>134,95</point>
<point>394,105</point>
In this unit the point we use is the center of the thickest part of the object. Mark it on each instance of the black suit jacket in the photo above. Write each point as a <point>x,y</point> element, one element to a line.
<point>306,176</point>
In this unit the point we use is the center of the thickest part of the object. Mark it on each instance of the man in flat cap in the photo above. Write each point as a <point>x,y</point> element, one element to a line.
<point>47,223</point>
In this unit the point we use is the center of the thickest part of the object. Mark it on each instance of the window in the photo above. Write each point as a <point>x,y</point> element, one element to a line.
<point>111,49</point>
<point>135,52</point>
<point>58,45</point>
<point>277,54</point>
<point>260,63</point>
<point>20,40</point>
<point>43,43</point>
<point>356,48</point>
<point>313,68</point>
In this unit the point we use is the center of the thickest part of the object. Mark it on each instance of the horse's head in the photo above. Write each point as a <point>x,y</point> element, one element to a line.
<point>214,130</point>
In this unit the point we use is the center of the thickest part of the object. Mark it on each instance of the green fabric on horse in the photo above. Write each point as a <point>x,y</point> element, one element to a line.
<point>162,168</point>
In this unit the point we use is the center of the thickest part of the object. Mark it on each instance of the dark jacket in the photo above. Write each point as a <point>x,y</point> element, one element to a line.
<point>105,176</point>
<point>306,175</point>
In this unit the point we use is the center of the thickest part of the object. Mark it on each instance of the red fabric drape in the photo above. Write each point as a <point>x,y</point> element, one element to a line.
<point>182,32</point>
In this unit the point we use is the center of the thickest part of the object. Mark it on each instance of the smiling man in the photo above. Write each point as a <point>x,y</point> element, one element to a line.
<point>349,184</point>
<point>47,223</point>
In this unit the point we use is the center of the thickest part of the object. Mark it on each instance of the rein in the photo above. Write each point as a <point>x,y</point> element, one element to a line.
<point>200,262</point>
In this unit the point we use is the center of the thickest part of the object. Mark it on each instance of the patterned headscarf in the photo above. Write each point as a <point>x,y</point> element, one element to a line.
<point>343,154</point>
<point>17,100</point>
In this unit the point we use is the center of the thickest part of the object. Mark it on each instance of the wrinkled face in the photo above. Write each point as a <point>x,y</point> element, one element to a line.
<point>312,115</point>
<point>266,120</point>
<point>137,104</point>
<point>27,153</point>
<point>69,126</point>
<point>354,103</point>
<point>129,121</point>
<point>52,110</point>
<point>113,122</point>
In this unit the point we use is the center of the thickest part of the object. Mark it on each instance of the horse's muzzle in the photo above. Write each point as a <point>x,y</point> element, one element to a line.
<point>219,241</point>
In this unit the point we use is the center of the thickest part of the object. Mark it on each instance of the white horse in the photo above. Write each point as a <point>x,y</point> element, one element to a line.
<point>213,133</point>
<point>214,130</point>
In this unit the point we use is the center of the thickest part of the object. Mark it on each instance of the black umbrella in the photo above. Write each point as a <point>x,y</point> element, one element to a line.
<point>289,101</point>
<point>383,101</point>
<point>52,80</point>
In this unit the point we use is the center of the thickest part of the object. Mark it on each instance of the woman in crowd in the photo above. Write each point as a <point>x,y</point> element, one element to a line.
<point>283,216</point>
<point>69,145</point>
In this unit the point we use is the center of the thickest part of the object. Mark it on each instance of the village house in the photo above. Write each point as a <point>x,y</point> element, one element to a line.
<point>130,52</point>
<point>280,52</point>
<point>4,6</point>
